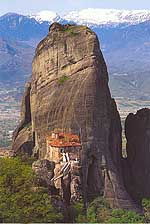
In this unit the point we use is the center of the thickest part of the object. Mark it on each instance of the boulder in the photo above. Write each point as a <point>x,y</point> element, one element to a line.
<point>23,143</point>
<point>44,169</point>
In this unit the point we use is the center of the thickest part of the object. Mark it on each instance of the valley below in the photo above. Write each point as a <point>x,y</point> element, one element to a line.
<point>10,110</point>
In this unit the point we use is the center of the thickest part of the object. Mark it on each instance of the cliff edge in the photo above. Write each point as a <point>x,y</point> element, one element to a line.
<point>69,93</point>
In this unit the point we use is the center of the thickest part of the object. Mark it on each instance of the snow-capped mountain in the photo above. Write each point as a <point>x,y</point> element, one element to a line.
<point>97,17</point>
<point>108,16</point>
<point>48,16</point>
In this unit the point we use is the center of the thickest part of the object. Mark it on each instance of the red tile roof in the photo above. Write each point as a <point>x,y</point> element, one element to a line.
<point>64,140</point>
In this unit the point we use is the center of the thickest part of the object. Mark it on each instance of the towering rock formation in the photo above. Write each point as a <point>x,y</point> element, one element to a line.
<point>22,138</point>
<point>136,166</point>
<point>69,92</point>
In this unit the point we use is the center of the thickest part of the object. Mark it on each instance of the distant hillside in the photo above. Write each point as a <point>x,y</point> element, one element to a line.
<point>18,37</point>
<point>15,61</point>
<point>124,38</point>
<point>18,27</point>
<point>127,52</point>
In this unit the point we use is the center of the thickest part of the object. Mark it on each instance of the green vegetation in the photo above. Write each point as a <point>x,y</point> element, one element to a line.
<point>74,30</point>
<point>21,200</point>
<point>122,216</point>
<point>63,79</point>
<point>73,33</point>
<point>99,211</point>
<point>77,213</point>
<point>89,30</point>
<point>146,206</point>
<point>26,159</point>
<point>71,30</point>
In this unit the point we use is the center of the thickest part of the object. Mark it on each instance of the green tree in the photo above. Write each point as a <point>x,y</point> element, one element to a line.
<point>77,212</point>
<point>146,206</point>
<point>20,199</point>
<point>99,211</point>
<point>63,79</point>
<point>124,216</point>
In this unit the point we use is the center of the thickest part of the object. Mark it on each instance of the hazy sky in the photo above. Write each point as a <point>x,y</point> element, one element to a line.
<point>62,6</point>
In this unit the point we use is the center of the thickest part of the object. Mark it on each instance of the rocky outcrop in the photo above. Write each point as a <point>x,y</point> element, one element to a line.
<point>22,137</point>
<point>23,142</point>
<point>44,169</point>
<point>136,166</point>
<point>69,91</point>
<point>114,189</point>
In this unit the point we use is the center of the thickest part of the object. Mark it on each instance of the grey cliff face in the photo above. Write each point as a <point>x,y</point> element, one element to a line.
<point>69,91</point>
<point>136,165</point>
<point>22,137</point>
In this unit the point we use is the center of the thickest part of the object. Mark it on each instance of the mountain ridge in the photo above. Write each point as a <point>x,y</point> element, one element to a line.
<point>125,46</point>
<point>92,16</point>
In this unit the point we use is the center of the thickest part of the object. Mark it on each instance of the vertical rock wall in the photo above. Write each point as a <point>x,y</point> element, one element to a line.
<point>137,164</point>
<point>23,141</point>
<point>69,91</point>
